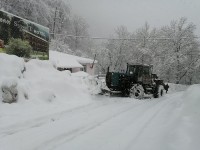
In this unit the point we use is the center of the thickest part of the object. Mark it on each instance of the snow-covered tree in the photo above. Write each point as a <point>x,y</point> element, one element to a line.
<point>119,49</point>
<point>180,42</point>
<point>144,45</point>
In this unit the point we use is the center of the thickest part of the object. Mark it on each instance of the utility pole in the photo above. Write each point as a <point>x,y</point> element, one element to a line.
<point>93,61</point>
<point>59,17</point>
<point>54,23</point>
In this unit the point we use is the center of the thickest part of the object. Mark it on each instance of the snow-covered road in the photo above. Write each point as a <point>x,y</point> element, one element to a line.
<point>109,124</point>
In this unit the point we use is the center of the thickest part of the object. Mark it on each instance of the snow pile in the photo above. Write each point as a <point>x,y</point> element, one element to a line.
<point>41,82</point>
<point>11,70</point>
<point>9,91</point>
<point>11,66</point>
<point>42,90</point>
<point>48,84</point>
<point>96,85</point>
<point>92,84</point>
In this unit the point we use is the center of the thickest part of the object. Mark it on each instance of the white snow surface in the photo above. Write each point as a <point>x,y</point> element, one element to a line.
<point>64,60</point>
<point>43,90</point>
<point>80,74</point>
<point>58,113</point>
<point>11,67</point>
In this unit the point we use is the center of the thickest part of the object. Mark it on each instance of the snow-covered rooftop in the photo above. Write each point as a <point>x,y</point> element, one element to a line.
<point>68,61</point>
<point>64,60</point>
<point>84,60</point>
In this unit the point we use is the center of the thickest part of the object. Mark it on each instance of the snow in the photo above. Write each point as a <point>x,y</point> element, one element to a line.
<point>85,60</point>
<point>11,67</point>
<point>52,82</point>
<point>176,87</point>
<point>64,60</point>
<point>43,90</point>
<point>56,112</point>
<point>80,74</point>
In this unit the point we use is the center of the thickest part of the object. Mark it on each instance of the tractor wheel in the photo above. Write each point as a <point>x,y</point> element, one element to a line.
<point>160,91</point>
<point>137,91</point>
<point>125,93</point>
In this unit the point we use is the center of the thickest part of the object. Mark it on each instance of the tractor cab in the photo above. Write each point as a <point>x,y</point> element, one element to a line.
<point>139,73</point>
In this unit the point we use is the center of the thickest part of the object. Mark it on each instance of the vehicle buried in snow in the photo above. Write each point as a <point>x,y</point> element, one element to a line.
<point>138,82</point>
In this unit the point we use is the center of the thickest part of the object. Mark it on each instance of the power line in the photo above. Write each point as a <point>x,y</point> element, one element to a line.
<point>106,38</point>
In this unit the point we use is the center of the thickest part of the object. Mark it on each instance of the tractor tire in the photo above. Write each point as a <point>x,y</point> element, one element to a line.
<point>160,91</point>
<point>125,93</point>
<point>137,92</point>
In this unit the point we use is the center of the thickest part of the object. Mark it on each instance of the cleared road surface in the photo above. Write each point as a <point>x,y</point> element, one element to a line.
<point>108,123</point>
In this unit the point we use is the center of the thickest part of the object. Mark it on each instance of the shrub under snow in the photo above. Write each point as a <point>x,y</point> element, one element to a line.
<point>11,70</point>
<point>9,91</point>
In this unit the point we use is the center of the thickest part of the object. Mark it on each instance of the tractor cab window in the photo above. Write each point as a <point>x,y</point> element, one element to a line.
<point>131,70</point>
<point>146,70</point>
<point>140,70</point>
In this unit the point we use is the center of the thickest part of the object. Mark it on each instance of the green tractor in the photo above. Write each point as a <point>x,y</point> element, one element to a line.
<point>138,82</point>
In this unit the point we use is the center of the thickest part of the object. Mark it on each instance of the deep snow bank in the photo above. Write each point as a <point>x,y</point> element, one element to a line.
<point>11,70</point>
<point>42,89</point>
<point>47,84</point>
<point>40,81</point>
<point>10,66</point>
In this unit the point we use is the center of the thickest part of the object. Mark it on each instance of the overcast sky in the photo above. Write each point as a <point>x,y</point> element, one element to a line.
<point>103,16</point>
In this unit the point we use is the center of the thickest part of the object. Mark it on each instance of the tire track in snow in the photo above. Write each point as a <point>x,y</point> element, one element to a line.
<point>69,136</point>
<point>33,130</point>
<point>146,123</point>
<point>133,112</point>
<point>15,128</point>
<point>156,107</point>
<point>136,117</point>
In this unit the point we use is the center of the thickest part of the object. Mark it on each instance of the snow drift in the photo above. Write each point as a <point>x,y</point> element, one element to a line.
<point>40,81</point>
<point>11,66</point>
<point>41,89</point>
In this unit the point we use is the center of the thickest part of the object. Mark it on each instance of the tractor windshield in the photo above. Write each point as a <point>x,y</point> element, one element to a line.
<point>139,70</point>
<point>146,70</point>
<point>131,70</point>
